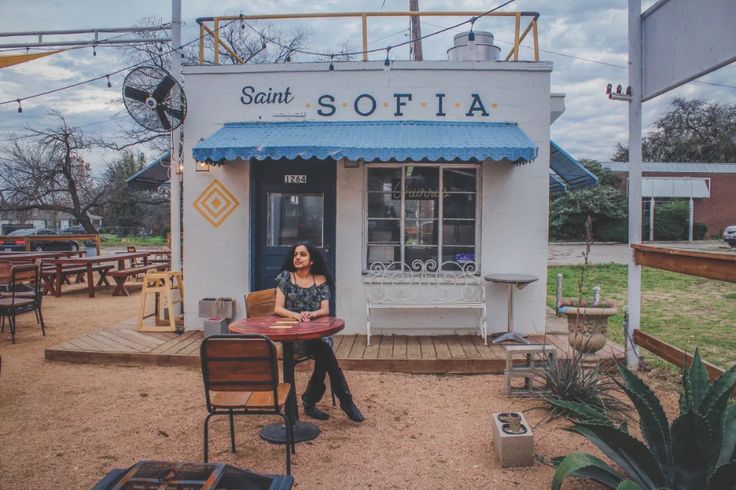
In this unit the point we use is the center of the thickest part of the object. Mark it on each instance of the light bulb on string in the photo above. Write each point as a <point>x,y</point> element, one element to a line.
<point>109,84</point>
<point>20,107</point>
<point>94,50</point>
<point>387,62</point>
<point>332,67</point>
<point>471,34</point>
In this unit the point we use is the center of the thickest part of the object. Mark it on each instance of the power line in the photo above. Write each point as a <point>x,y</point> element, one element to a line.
<point>77,84</point>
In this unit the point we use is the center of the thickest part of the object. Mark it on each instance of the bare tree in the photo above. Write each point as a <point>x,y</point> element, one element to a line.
<point>47,172</point>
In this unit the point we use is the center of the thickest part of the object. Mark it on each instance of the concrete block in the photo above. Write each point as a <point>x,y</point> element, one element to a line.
<point>215,326</point>
<point>512,449</point>
<point>220,307</point>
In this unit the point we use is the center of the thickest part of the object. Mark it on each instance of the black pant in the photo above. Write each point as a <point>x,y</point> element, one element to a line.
<point>325,362</point>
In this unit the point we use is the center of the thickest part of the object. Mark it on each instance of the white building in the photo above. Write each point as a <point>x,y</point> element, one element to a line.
<point>300,151</point>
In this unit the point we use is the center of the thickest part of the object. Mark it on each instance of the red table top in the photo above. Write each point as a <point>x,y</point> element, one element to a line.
<point>281,329</point>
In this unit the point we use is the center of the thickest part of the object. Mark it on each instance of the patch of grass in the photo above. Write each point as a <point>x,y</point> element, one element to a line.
<point>115,240</point>
<point>683,310</point>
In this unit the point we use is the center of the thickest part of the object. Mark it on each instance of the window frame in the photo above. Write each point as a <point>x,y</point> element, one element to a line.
<point>440,216</point>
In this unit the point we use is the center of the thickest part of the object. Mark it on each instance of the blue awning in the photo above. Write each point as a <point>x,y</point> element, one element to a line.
<point>556,186</point>
<point>568,170</point>
<point>152,176</point>
<point>369,141</point>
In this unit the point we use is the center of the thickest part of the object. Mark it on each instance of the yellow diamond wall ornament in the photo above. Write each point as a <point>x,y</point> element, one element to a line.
<point>216,203</point>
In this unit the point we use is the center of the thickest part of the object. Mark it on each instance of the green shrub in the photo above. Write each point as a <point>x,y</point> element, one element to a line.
<point>697,451</point>
<point>612,230</point>
<point>671,220</point>
<point>699,231</point>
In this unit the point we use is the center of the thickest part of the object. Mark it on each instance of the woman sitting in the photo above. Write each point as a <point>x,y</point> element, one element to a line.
<point>304,290</point>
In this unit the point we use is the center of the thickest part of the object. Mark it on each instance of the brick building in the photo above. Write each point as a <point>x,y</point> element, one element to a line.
<point>710,185</point>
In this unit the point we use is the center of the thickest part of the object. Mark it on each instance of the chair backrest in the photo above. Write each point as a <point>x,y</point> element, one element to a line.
<point>239,363</point>
<point>260,303</point>
<point>20,274</point>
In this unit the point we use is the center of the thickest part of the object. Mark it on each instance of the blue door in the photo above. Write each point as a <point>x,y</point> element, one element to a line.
<point>293,200</point>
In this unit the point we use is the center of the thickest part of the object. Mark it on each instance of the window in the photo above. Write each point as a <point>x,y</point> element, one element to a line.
<point>294,217</point>
<point>421,212</point>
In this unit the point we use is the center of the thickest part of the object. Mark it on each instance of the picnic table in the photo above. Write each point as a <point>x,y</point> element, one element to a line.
<point>90,264</point>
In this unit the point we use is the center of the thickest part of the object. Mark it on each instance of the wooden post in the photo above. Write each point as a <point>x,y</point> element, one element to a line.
<point>416,30</point>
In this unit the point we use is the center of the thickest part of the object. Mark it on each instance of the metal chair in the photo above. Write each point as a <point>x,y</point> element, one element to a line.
<point>23,295</point>
<point>241,377</point>
<point>262,303</point>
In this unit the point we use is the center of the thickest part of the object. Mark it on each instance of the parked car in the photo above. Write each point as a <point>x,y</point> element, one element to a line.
<point>78,230</point>
<point>729,235</point>
<point>16,241</point>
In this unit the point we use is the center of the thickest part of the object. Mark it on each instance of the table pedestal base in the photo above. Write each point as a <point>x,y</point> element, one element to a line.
<point>509,336</point>
<point>276,433</point>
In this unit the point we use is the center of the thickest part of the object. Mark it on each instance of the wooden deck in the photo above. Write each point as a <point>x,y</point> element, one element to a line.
<point>123,345</point>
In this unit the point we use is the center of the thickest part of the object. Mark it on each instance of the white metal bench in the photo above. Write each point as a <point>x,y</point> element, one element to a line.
<point>424,284</point>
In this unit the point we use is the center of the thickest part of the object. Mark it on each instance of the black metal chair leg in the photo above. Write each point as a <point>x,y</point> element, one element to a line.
<point>332,390</point>
<point>206,452</point>
<point>11,320</point>
<point>43,332</point>
<point>232,433</point>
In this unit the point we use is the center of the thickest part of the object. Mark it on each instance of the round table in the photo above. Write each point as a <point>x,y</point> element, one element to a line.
<point>288,331</point>
<point>520,281</point>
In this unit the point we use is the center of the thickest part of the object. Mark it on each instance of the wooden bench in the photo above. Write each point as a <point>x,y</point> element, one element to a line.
<point>48,275</point>
<point>120,276</point>
<point>426,285</point>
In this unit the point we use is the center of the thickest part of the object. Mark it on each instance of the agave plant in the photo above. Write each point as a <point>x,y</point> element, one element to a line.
<point>695,452</point>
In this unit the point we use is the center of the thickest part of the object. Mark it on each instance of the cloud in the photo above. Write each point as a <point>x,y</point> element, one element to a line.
<point>582,38</point>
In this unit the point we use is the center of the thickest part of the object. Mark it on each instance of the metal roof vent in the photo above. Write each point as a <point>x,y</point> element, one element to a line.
<point>480,49</point>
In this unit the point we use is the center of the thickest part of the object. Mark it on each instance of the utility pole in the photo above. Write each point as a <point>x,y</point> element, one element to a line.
<point>175,142</point>
<point>634,270</point>
<point>416,30</point>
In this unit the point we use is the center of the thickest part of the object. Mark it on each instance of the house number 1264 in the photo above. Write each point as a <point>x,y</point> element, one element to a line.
<point>295,179</point>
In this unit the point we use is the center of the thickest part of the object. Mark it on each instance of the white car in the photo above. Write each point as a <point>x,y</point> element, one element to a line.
<point>729,234</point>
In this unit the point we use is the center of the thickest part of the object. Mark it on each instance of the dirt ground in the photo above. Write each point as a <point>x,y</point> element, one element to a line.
<point>66,425</point>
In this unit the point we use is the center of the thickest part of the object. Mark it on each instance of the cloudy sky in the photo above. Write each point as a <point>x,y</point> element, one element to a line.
<point>586,40</point>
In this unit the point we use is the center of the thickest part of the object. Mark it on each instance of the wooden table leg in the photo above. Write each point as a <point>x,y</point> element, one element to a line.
<point>90,281</point>
<point>120,286</point>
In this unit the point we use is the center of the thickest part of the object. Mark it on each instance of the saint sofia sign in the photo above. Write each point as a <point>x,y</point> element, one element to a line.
<point>363,104</point>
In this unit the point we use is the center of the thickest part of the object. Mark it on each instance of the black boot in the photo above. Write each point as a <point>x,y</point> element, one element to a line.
<point>313,394</point>
<point>342,391</point>
<point>314,412</point>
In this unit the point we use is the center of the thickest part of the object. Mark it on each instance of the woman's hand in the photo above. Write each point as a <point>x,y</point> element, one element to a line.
<point>305,316</point>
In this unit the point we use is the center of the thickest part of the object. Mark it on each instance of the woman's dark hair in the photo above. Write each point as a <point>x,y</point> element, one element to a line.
<point>319,263</point>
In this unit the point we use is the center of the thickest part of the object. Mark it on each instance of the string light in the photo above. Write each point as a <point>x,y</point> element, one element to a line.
<point>471,34</point>
<point>20,108</point>
<point>94,50</point>
<point>242,22</point>
<point>387,61</point>
<point>332,67</point>
<point>109,84</point>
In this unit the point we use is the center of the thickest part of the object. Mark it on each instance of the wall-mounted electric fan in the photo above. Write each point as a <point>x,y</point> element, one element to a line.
<point>154,99</point>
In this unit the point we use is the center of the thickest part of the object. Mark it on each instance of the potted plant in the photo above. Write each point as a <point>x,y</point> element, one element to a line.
<point>587,323</point>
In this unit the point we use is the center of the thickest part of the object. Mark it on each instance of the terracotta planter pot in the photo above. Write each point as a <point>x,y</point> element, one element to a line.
<point>587,327</point>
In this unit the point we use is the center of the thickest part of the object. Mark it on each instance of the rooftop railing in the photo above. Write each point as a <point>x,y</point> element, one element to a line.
<point>210,27</point>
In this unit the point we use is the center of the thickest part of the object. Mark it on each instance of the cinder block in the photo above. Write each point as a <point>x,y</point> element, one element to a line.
<point>215,326</point>
<point>513,449</point>
<point>221,307</point>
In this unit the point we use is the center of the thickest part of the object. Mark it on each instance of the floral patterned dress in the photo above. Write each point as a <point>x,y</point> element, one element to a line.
<point>300,299</point>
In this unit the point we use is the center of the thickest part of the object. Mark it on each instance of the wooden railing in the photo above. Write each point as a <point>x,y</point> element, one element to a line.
<point>210,26</point>
<point>712,265</point>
